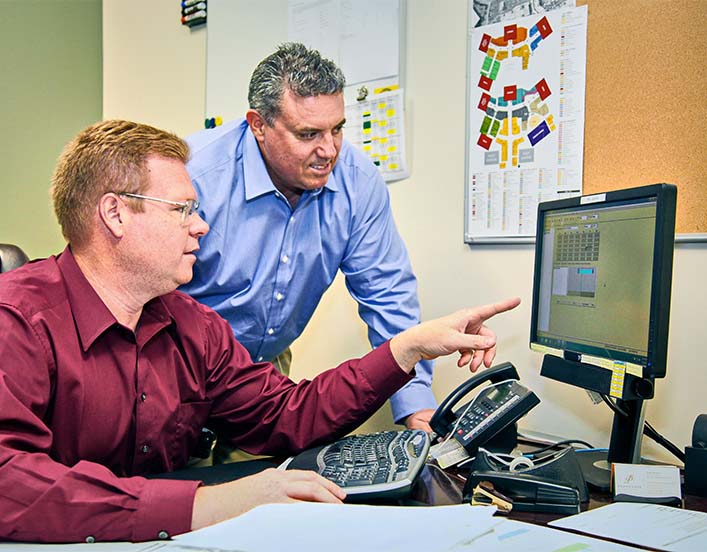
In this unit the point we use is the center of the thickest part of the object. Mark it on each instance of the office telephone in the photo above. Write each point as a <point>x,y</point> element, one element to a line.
<point>489,417</point>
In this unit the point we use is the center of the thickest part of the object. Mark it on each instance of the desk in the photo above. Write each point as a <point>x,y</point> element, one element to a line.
<point>434,487</point>
<point>441,487</point>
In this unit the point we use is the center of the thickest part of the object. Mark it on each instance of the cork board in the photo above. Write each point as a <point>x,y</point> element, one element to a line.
<point>646,101</point>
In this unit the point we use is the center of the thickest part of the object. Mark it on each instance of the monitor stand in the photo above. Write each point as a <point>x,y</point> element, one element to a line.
<point>624,447</point>
<point>596,469</point>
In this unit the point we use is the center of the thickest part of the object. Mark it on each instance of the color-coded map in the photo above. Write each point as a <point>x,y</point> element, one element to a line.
<point>518,116</point>
<point>525,120</point>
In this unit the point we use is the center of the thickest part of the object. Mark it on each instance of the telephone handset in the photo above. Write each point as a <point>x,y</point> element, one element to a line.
<point>494,408</point>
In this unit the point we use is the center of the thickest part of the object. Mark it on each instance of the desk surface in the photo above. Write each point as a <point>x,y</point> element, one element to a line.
<point>434,487</point>
<point>441,487</point>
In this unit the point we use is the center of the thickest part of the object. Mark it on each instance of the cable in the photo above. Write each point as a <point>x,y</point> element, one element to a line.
<point>498,456</point>
<point>558,444</point>
<point>651,432</point>
<point>615,407</point>
<point>648,430</point>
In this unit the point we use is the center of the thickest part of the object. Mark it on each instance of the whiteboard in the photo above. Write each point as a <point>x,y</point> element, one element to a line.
<point>365,38</point>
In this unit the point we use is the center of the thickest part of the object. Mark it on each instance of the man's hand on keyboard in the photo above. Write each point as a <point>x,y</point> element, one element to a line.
<point>220,502</point>
<point>462,331</point>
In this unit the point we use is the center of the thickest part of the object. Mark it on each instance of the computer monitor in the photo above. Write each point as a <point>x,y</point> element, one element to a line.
<point>601,303</point>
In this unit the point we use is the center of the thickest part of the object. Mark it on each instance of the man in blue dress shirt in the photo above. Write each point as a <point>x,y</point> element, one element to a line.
<point>290,203</point>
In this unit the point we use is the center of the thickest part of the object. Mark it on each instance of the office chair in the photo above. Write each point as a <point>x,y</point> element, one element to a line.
<point>11,257</point>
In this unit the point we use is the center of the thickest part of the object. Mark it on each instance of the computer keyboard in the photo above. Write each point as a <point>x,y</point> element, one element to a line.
<point>372,465</point>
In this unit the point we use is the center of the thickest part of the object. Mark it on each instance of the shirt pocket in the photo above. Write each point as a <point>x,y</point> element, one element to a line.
<point>191,418</point>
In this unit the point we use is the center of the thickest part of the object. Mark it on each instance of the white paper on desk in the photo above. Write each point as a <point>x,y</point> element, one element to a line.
<point>515,536</point>
<point>306,526</point>
<point>652,525</point>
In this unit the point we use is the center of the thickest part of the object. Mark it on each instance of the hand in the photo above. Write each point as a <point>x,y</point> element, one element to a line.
<point>462,331</point>
<point>420,420</point>
<point>219,502</point>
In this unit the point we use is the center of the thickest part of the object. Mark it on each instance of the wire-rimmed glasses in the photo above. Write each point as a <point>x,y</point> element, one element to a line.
<point>186,208</point>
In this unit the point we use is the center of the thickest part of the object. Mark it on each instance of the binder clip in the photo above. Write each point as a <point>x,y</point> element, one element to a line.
<point>484,494</point>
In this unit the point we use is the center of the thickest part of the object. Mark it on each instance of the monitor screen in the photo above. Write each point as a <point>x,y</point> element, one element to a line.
<point>595,279</point>
<point>601,304</point>
<point>603,267</point>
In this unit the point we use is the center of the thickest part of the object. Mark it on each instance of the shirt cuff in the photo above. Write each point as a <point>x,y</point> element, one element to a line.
<point>416,395</point>
<point>382,371</point>
<point>165,509</point>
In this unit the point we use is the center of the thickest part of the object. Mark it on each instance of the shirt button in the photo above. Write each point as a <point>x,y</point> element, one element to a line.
<point>292,219</point>
<point>285,259</point>
<point>270,331</point>
<point>260,359</point>
<point>279,296</point>
<point>145,448</point>
<point>143,397</point>
<point>163,535</point>
<point>90,539</point>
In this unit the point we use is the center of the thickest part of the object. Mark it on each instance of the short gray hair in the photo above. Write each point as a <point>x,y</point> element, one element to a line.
<point>297,68</point>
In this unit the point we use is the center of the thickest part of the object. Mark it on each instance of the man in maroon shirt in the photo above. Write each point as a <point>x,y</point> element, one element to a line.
<point>108,374</point>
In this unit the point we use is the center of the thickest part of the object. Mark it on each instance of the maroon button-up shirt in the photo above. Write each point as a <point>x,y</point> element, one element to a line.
<point>87,406</point>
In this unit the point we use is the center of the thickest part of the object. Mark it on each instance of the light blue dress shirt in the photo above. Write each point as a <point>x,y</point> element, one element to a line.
<point>265,266</point>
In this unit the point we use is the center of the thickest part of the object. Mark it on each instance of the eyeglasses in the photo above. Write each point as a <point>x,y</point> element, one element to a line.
<point>186,208</point>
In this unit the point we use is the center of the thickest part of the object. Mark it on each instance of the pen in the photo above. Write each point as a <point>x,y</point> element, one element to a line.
<point>194,8</point>
<point>196,15</point>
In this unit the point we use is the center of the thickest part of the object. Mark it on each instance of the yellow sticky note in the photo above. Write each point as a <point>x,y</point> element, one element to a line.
<point>618,374</point>
<point>386,88</point>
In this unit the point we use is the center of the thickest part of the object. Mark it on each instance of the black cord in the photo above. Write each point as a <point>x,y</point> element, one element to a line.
<point>533,453</point>
<point>649,431</point>
<point>615,407</point>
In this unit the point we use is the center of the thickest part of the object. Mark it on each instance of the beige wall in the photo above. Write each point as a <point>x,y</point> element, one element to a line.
<point>50,89</point>
<point>428,207</point>
<point>153,67</point>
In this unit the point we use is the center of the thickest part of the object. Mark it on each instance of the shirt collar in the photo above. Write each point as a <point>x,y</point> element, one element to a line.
<point>255,173</point>
<point>90,313</point>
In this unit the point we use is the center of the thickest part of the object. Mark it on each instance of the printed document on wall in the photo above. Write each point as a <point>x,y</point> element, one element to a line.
<point>525,119</point>
<point>362,37</point>
<point>376,126</point>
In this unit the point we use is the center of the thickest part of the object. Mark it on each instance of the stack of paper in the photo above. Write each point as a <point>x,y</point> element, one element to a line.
<point>307,526</point>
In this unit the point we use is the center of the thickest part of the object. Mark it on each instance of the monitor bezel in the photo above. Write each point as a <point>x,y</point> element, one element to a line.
<point>665,196</point>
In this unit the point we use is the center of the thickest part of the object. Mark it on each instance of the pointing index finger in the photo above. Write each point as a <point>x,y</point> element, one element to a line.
<point>487,311</point>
